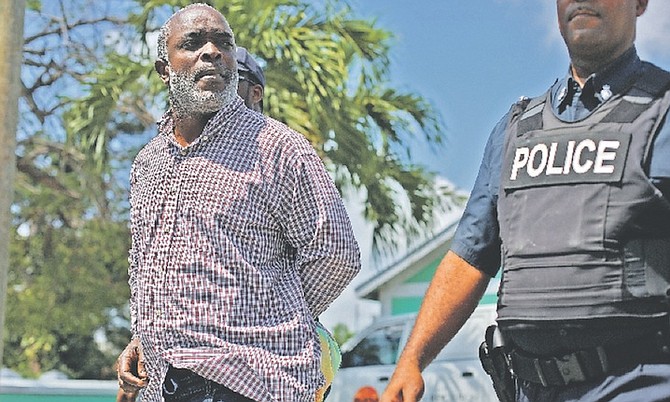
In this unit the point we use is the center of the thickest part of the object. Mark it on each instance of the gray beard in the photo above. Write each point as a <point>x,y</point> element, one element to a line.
<point>187,99</point>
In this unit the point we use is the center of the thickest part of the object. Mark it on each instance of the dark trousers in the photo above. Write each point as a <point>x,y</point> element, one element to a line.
<point>642,383</point>
<point>185,386</point>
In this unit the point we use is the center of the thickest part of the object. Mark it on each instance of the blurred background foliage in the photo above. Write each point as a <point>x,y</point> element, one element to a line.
<point>90,99</point>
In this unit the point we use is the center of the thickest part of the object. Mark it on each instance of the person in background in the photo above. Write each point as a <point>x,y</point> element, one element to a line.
<point>239,238</point>
<point>251,86</point>
<point>572,200</point>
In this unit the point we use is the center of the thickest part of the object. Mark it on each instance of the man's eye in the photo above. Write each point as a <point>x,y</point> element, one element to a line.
<point>224,43</point>
<point>191,44</point>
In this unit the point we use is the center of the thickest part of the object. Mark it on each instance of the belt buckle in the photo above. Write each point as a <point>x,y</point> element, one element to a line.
<point>570,369</point>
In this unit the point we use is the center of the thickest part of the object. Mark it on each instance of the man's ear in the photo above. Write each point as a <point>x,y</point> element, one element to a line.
<point>163,70</point>
<point>257,93</point>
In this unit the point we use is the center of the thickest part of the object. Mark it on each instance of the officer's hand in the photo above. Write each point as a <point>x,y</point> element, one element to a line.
<point>406,385</point>
<point>130,369</point>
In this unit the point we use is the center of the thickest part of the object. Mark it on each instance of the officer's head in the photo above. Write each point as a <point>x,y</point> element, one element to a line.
<point>598,31</point>
<point>252,80</point>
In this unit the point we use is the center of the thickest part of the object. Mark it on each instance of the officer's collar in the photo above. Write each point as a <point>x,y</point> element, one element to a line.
<point>600,86</point>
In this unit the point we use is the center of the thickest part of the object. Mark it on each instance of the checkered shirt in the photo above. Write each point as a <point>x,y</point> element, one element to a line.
<point>238,241</point>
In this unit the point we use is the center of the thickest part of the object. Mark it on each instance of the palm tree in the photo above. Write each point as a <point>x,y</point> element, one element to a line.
<point>89,99</point>
<point>327,77</point>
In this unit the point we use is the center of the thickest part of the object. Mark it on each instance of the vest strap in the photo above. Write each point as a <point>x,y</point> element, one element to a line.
<point>531,118</point>
<point>652,83</point>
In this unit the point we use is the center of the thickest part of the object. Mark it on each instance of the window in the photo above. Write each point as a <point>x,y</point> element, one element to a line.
<point>378,347</point>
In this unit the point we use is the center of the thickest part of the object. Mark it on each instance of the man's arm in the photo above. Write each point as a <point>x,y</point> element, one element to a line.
<point>451,298</point>
<point>130,364</point>
<point>318,227</point>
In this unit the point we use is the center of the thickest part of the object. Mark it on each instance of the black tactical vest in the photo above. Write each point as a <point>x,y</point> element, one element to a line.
<point>584,232</point>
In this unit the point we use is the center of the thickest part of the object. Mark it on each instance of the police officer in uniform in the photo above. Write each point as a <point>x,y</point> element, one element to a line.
<point>572,200</point>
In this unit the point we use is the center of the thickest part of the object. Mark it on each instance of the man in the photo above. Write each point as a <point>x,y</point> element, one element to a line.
<point>251,86</point>
<point>239,237</point>
<point>572,199</point>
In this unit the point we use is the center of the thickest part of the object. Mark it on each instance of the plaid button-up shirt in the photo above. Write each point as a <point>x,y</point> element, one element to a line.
<point>238,241</point>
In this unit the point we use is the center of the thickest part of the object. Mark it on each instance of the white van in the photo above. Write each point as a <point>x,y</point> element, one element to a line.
<point>368,360</point>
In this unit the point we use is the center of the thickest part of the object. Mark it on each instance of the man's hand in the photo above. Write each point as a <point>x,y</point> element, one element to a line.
<point>123,396</point>
<point>130,369</point>
<point>406,385</point>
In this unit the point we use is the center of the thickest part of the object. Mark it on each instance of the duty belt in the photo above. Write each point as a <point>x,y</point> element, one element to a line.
<point>590,364</point>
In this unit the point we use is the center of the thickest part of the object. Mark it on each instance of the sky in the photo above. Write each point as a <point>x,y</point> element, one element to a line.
<point>472,59</point>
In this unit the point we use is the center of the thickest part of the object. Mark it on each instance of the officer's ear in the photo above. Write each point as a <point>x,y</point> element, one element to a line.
<point>641,6</point>
<point>257,92</point>
<point>163,69</point>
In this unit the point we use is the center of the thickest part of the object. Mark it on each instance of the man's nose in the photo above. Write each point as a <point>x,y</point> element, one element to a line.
<point>211,53</point>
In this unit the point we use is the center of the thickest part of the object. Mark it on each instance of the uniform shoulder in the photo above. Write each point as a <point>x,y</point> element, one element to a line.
<point>654,80</point>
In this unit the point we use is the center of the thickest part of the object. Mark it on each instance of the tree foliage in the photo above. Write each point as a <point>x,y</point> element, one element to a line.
<point>90,99</point>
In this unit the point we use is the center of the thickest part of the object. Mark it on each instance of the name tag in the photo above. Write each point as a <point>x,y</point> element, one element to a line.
<point>593,157</point>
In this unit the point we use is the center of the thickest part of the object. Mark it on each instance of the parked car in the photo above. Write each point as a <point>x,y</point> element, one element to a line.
<point>368,360</point>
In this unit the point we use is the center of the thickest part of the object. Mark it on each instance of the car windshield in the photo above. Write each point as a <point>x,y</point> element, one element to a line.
<point>378,347</point>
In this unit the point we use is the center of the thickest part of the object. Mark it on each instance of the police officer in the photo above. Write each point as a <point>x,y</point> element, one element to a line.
<point>251,84</point>
<point>573,201</point>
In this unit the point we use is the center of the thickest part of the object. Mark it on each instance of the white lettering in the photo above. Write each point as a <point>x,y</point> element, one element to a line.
<point>604,155</point>
<point>532,170</point>
<point>581,157</point>
<point>568,157</point>
<point>551,169</point>
<point>520,160</point>
<point>577,164</point>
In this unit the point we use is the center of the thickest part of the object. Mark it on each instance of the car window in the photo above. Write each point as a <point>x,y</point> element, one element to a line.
<point>380,346</point>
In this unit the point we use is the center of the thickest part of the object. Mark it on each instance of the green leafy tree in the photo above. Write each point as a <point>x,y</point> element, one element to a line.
<point>90,98</point>
<point>327,77</point>
<point>342,333</point>
<point>68,275</point>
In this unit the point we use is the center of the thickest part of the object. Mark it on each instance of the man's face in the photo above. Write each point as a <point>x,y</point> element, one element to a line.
<point>250,92</point>
<point>598,29</point>
<point>201,71</point>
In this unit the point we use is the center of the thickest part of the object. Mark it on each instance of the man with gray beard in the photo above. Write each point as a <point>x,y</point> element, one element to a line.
<point>239,238</point>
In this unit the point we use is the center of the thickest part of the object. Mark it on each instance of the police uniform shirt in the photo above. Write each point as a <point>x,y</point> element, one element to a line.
<point>477,239</point>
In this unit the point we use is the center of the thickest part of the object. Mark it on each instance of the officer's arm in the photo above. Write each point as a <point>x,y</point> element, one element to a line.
<point>451,298</point>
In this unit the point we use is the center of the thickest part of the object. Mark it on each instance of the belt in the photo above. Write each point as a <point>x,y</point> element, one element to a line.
<point>590,364</point>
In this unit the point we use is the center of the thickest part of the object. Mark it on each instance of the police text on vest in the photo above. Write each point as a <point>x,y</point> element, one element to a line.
<point>561,159</point>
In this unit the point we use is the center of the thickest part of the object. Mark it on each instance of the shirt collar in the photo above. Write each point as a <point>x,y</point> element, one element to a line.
<point>166,122</point>
<point>600,86</point>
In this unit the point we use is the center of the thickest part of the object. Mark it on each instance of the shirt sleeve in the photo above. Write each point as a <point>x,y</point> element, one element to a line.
<point>318,227</point>
<point>477,238</point>
<point>132,260</point>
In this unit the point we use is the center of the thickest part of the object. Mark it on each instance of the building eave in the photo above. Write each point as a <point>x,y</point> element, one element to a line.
<point>370,288</point>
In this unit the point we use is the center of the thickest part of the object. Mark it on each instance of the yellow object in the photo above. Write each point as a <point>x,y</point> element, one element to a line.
<point>331,357</point>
